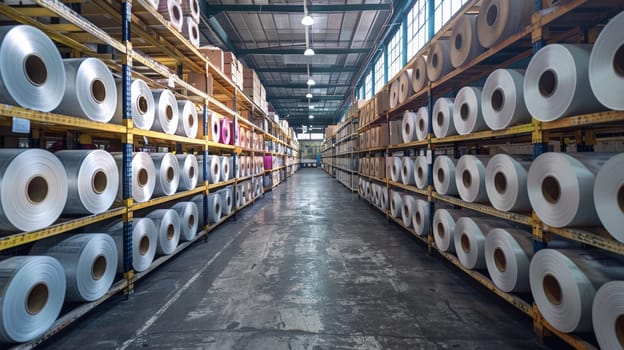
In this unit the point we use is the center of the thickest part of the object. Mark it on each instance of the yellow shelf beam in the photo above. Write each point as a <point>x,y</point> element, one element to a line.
<point>165,199</point>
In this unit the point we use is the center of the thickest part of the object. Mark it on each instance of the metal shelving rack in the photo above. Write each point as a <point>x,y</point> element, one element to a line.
<point>160,55</point>
<point>570,21</point>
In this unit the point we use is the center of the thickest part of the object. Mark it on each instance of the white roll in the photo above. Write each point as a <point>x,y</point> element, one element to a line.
<point>606,65</point>
<point>32,74</point>
<point>188,123</point>
<point>561,188</point>
<point>421,217</point>
<point>394,93</point>
<point>383,198</point>
<point>89,261</point>
<point>189,219</point>
<point>214,169</point>
<point>442,118</point>
<point>142,105</point>
<point>609,195</point>
<point>93,180</point>
<point>227,200</point>
<point>444,228</point>
<point>421,172</point>
<point>395,170</point>
<point>167,174</point>
<point>499,19</point>
<point>143,176</point>
<point>90,90</point>
<point>405,85</point>
<point>191,8</point>
<point>556,83</point>
<point>396,203</point>
<point>199,203</point>
<point>607,311</point>
<point>422,123</point>
<point>502,100</point>
<point>33,189</point>
<point>564,282</point>
<point>31,297</point>
<point>419,73</point>
<point>214,127</point>
<point>407,210</point>
<point>171,10</point>
<point>439,60</point>
<point>407,171</point>
<point>409,127</point>
<point>464,43</point>
<point>239,196</point>
<point>444,175</point>
<point>167,113</point>
<point>470,179</point>
<point>167,223</point>
<point>469,239</point>
<point>190,30</point>
<point>508,254</point>
<point>188,171</point>
<point>144,243</point>
<point>506,183</point>
<point>467,114</point>
<point>225,169</point>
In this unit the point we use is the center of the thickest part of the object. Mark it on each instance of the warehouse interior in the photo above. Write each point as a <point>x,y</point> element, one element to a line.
<point>312,174</point>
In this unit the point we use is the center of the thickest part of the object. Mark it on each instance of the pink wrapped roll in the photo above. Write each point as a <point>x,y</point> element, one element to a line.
<point>226,134</point>
<point>268,162</point>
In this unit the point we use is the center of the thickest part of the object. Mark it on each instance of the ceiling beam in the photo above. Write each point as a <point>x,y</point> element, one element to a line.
<point>331,69</point>
<point>214,9</point>
<point>216,27</point>
<point>317,98</point>
<point>298,51</point>
<point>305,86</point>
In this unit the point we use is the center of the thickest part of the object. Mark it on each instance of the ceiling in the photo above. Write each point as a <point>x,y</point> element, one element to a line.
<point>267,35</point>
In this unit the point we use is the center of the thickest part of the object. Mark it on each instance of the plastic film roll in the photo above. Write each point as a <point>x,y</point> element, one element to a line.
<point>33,289</point>
<point>508,255</point>
<point>564,283</point>
<point>226,131</point>
<point>227,200</point>
<point>214,127</point>
<point>421,217</point>
<point>396,203</point>
<point>167,113</point>
<point>609,195</point>
<point>405,85</point>
<point>214,169</point>
<point>439,60</point>
<point>142,105</point>
<point>444,228</point>
<point>467,115</point>
<point>499,19</point>
<point>395,170</point>
<point>407,210</point>
<point>442,118</point>
<point>606,65</point>
<point>167,174</point>
<point>32,74</point>
<point>191,8</point>
<point>167,223</point>
<point>407,171</point>
<point>470,179</point>
<point>189,219</point>
<point>409,127</point>
<point>143,176</point>
<point>90,90</point>
<point>394,93</point>
<point>171,10</point>
<point>422,123</point>
<point>502,101</point>
<point>561,188</point>
<point>607,311</point>
<point>556,83</point>
<point>506,183</point>
<point>239,198</point>
<point>421,172</point>
<point>464,43</point>
<point>187,119</point>
<point>188,171</point>
<point>199,203</point>
<point>89,261</point>
<point>469,237</point>
<point>419,73</point>
<point>93,180</point>
<point>33,189</point>
<point>225,168</point>
<point>190,30</point>
<point>144,243</point>
<point>444,175</point>
<point>383,198</point>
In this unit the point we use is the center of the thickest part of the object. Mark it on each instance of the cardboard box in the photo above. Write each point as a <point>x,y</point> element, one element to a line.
<point>395,132</point>
<point>383,137</point>
<point>381,169</point>
<point>203,82</point>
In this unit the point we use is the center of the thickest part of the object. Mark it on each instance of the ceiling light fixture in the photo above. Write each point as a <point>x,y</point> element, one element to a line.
<point>311,82</point>
<point>311,107</point>
<point>311,116</point>
<point>308,52</point>
<point>307,20</point>
<point>309,95</point>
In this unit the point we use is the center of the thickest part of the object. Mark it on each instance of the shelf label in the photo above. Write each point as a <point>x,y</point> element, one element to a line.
<point>20,126</point>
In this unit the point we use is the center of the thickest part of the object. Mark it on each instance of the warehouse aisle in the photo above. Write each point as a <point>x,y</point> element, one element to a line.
<point>310,266</point>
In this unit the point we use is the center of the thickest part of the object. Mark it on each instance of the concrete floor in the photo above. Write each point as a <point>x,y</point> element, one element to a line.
<point>310,266</point>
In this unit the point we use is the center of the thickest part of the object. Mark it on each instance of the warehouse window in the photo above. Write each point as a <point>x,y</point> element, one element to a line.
<point>394,53</point>
<point>444,10</point>
<point>362,94</point>
<point>417,27</point>
<point>379,73</point>
<point>368,83</point>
